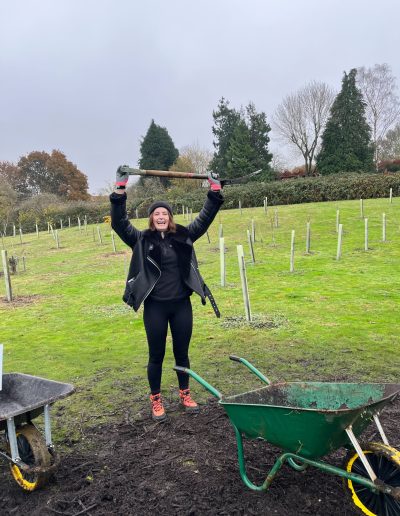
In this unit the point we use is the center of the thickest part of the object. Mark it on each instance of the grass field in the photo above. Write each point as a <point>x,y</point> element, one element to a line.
<point>329,319</point>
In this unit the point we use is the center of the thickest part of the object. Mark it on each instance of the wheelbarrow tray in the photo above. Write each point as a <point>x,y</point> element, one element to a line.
<point>307,418</point>
<point>24,394</point>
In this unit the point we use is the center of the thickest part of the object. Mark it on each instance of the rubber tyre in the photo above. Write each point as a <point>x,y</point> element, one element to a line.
<point>385,462</point>
<point>33,451</point>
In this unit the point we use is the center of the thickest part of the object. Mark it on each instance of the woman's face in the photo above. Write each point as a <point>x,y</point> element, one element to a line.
<point>161,219</point>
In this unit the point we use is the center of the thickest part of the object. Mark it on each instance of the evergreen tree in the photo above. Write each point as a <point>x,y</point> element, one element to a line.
<point>240,155</point>
<point>259,140</point>
<point>225,122</point>
<point>157,150</point>
<point>346,141</point>
<point>241,141</point>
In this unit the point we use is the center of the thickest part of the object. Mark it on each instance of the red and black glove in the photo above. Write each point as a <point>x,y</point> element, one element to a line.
<point>215,184</point>
<point>122,177</point>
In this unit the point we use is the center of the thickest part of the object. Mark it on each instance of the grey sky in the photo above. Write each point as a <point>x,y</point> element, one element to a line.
<point>87,76</point>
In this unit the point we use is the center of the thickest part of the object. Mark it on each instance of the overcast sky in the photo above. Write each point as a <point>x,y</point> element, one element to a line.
<point>87,76</point>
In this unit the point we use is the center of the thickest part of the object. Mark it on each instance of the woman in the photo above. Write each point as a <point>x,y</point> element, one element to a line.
<point>163,274</point>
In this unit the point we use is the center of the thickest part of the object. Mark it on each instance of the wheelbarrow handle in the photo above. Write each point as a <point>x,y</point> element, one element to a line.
<point>253,369</point>
<point>199,379</point>
<point>235,358</point>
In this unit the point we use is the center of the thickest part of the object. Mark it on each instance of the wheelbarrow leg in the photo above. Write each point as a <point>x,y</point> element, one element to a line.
<point>12,439</point>
<point>47,428</point>
<point>242,466</point>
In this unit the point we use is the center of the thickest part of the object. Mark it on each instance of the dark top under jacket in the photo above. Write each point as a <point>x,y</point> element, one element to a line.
<point>170,286</point>
<point>146,265</point>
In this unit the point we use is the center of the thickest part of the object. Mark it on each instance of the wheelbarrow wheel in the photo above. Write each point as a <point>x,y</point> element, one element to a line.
<point>385,462</point>
<point>33,451</point>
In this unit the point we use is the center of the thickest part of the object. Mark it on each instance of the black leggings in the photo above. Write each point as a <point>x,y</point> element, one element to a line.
<point>156,316</point>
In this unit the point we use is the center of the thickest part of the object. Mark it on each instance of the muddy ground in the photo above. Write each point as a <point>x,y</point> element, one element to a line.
<point>187,466</point>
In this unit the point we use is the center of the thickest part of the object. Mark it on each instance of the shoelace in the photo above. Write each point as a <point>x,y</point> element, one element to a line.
<point>186,397</point>
<point>157,404</point>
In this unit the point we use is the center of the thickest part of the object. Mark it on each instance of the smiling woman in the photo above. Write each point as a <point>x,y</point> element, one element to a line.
<point>163,274</point>
<point>161,218</point>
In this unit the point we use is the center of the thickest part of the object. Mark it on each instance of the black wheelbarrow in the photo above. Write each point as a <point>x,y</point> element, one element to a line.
<point>31,456</point>
<point>308,420</point>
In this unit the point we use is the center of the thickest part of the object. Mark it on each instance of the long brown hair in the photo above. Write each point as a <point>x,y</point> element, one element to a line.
<point>171,223</point>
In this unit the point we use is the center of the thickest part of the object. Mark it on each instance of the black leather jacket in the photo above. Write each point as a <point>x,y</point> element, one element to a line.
<point>145,266</point>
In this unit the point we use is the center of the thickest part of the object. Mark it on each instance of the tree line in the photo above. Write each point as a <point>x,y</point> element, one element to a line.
<point>353,130</point>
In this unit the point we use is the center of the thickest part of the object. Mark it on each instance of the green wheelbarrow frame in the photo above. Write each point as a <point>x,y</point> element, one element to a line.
<point>307,420</point>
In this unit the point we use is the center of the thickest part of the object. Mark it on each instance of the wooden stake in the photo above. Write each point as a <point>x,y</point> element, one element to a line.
<point>57,239</point>
<point>292,252</point>
<point>240,206</point>
<point>243,279</point>
<point>99,235</point>
<point>113,241</point>
<point>391,195</point>
<point>276,219</point>
<point>337,220</point>
<point>383,227</point>
<point>250,241</point>
<point>339,243</point>
<point>7,278</point>
<point>222,260</point>
<point>308,237</point>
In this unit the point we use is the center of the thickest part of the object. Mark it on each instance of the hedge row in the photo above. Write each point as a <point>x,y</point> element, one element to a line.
<point>292,191</point>
<point>55,212</point>
<point>296,191</point>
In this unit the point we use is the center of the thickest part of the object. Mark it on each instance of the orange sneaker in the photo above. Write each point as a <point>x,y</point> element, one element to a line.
<point>186,401</point>
<point>157,408</point>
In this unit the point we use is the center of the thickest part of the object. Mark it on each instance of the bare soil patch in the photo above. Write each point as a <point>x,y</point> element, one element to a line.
<point>186,466</point>
<point>19,301</point>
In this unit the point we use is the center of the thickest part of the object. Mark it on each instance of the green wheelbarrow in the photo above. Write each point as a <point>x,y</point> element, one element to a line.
<point>308,420</point>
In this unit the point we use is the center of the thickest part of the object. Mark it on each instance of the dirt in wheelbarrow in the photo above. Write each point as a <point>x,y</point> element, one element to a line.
<point>186,466</point>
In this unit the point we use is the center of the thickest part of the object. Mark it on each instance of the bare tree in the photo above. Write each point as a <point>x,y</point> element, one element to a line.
<point>301,118</point>
<point>378,86</point>
<point>192,158</point>
<point>389,147</point>
<point>199,157</point>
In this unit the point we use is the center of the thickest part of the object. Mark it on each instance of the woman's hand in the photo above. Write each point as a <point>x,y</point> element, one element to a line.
<point>122,176</point>
<point>214,183</point>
